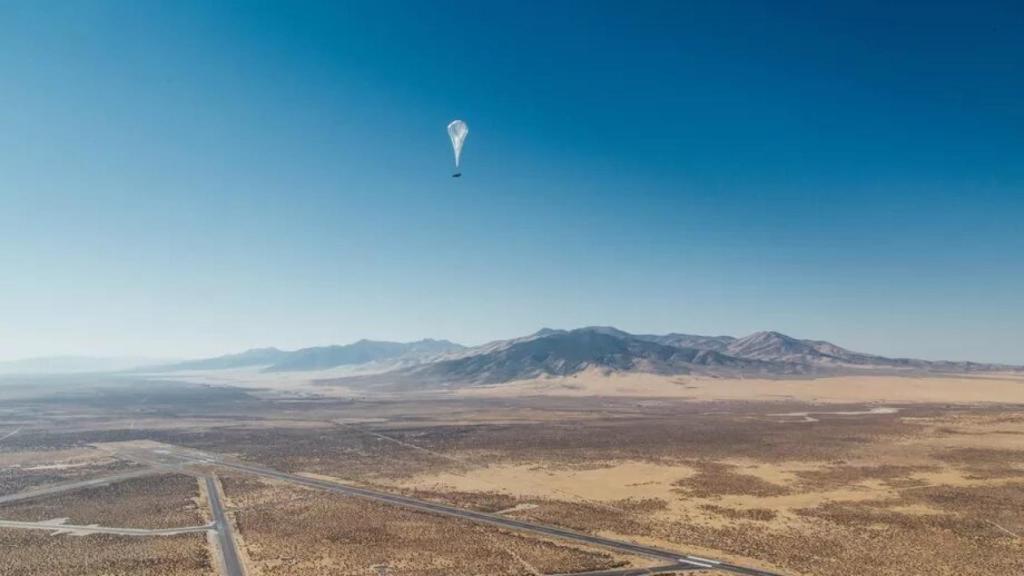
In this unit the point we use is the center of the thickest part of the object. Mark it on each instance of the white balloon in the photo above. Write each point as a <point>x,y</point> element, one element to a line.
<point>457,131</point>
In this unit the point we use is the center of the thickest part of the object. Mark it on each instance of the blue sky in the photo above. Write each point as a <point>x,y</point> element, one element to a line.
<point>191,178</point>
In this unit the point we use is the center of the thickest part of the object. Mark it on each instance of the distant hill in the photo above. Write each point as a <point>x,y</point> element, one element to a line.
<point>73,364</point>
<point>361,352</point>
<point>247,359</point>
<point>320,357</point>
<point>776,347</point>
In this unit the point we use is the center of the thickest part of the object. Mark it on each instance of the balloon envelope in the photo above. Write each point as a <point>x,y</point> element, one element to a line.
<point>457,131</point>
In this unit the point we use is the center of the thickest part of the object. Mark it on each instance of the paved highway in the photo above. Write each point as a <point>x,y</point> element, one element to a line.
<point>670,569</point>
<point>182,458</point>
<point>225,539</point>
<point>683,560</point>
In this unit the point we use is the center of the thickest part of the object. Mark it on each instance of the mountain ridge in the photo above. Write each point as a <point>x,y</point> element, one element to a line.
<point>318,357</point>
<point>557,352</point>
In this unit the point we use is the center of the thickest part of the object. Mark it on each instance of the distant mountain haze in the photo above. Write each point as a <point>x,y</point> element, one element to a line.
<point>319,357</point>
<point>249,358</point>
<point>74,364</point>
<point>361,352</point>
<point>552,352</point>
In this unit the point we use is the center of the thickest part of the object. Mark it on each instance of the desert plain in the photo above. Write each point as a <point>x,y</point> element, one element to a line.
<point>800,476</point>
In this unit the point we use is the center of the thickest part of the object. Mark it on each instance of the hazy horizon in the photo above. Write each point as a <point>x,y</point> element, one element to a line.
<point>152,360</point>
<point>195,179</point>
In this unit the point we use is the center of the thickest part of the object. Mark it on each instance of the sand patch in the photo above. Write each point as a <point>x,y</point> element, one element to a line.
<point>616,481</point>
<point>785,473</point>
<point>63,466</point>
<point>517,508</point>
<point>917,510</point>
<point>869,490</point>
<point>53,459</point>
<point>844,389</point>
<point>955,477</point>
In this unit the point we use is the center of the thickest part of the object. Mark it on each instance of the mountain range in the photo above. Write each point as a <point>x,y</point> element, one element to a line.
<point>74,364</point>
<point>548,352</point>
<point>393,354</point>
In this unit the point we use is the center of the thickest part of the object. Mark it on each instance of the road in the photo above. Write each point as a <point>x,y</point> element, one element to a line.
<point>76,529</point>
<point>670,569</point>
<point>182,458</point>
<point>91,483</point>
<point>225,538</point>
<point>681,559</point>
<point>9,434</point>
<point>221,525</point>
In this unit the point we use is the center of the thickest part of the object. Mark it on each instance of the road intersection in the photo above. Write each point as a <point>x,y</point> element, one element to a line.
<point>182,459</point>
<point>167,458</point>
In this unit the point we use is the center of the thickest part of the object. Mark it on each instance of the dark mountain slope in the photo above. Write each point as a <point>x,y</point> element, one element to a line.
<point>716,343</point>
<point>561,353</point>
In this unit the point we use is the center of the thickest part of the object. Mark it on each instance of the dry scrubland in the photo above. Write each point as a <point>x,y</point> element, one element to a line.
<point>165,501</point>
<point>161,501</point>
<point>26,553</point>
<point>927,489</point>
<point>290,530</point>
<point>24,469</point>
<point>925,492</point>
<point>823,488</point>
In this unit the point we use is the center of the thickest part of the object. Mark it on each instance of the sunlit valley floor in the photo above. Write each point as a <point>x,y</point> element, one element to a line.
<point>831,486</point>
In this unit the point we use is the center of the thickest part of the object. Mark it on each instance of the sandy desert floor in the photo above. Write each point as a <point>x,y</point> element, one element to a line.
<point>972,389</point>
<point>829,477</point>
